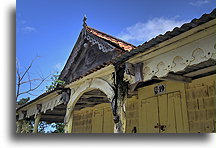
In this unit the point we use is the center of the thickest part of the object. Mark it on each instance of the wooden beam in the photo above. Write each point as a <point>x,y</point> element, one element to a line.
<point>93,100</point>
<point>175,77</point>
<point>77,107</point>
<point>52,116</point>
<point>201,71</point>
<point>93,95</point>
<point>55,113</point>
<point>54,120</point>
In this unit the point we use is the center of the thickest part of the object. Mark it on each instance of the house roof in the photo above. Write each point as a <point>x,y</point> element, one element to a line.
<point>118,42</point>
<point>168,35</point>
<point>105,42</point>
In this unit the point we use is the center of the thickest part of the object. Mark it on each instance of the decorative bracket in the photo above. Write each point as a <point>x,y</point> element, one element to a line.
<point>39,107</point>
<point>24,112</point>
<point>66,95</point>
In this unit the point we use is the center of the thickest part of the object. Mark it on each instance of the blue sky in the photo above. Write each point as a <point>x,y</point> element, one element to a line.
<point>49,28</point>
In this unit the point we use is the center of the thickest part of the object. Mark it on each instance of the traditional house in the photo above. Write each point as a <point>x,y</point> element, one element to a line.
<point>166,85</point>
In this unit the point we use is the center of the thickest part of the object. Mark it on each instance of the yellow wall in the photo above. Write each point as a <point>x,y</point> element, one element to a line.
<point>201,104</point>
<point>97,119</point>
<point>181,108</point>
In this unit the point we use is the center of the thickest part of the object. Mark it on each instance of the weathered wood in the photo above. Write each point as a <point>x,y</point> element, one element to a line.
<point>138,72</point>
<point>37,120</point>
<point>175,77</point>
<point>93,100</point>
<point>78,107</point>
<point>201,71</point>
<point>53,118</point>
<point>93,95</point>
<point>55,112</point>
<point>69,127</point>
<point>118,102</point>
<point>129,69</point>
<point>39,107</point>
<point>87,55</point>
<point>65,95</point>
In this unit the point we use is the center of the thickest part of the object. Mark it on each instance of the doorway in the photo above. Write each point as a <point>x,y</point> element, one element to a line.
<point>163,112</point>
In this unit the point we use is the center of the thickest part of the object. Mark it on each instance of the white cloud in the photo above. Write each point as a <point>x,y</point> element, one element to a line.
<point>199,3</point>
<point>28,29</point>
<point>144,31</point>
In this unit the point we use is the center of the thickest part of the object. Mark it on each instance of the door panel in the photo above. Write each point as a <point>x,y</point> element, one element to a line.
<point>171,128</point>
<point>163,112</point>
<point>149,115</point>
<point>178,112</point>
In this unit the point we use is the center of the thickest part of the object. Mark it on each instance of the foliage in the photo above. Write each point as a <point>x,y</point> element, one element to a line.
<point>23,101</point>
<point>59,128</point>
<point>42,126</point>
<point>27,126</point>
<point>55,82</point>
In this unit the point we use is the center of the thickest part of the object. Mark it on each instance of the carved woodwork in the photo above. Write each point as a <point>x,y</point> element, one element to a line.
<point>89,52</point>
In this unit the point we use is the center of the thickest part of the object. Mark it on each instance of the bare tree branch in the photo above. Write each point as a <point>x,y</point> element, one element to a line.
<point>30,85</point>
<point>32,94</point>
<point>18,83</point>
<point>26,71</point>
<point>32,89</point>
<point>28,80</point>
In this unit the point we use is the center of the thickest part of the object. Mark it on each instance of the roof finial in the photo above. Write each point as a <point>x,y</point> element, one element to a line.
<point>84,21</point>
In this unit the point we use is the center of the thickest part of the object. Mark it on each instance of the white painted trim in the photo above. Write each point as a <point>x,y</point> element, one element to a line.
<point>88,85</point>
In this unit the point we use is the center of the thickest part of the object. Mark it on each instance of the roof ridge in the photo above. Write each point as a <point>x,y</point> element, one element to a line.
<point>122,44</point>
<point>168,35</point>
